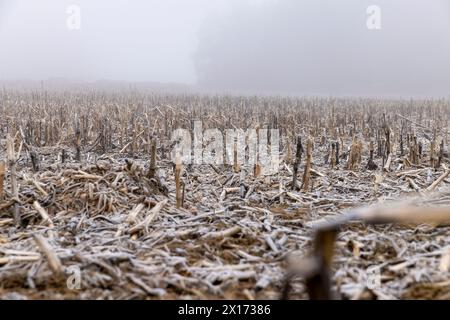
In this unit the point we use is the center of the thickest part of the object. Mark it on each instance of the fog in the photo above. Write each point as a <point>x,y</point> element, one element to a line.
<point>320,47</point>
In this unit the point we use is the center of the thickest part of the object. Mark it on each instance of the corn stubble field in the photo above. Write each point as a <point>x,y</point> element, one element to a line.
<point>87,184</point>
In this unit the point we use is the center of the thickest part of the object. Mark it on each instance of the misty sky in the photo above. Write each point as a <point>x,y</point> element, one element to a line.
<point>261,46</point>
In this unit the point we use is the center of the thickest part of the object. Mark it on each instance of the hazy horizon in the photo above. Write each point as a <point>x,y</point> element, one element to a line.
<point>252,46</point>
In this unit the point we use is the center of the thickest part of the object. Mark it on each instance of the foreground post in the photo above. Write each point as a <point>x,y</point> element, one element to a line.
<point>315,268</point>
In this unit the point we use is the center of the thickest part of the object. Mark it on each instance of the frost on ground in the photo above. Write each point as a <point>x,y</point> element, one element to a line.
<point>84,212</point>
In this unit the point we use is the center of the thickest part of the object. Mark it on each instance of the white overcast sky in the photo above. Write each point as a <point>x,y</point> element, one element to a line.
<point>306,46</point>
<point>138,40</point>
